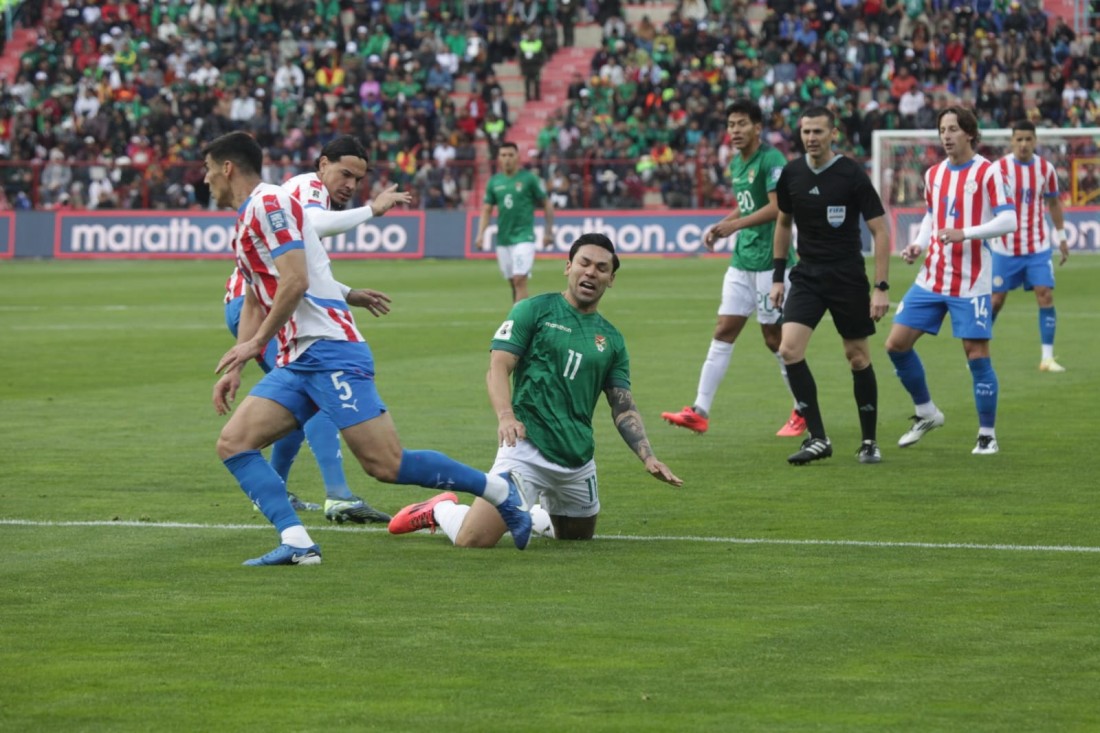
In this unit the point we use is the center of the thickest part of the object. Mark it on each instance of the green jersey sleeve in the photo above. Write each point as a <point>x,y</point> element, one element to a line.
<point>515,334</point>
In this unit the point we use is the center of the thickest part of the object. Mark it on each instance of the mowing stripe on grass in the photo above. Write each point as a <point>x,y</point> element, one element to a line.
<point>629,538</point>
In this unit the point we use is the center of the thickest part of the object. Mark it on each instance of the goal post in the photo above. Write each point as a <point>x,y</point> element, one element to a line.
<point>899,159</point>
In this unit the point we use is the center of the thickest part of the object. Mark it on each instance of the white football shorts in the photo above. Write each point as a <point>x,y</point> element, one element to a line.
<point>745,293</point>
<point>516,259</point>
<point>565,492</point>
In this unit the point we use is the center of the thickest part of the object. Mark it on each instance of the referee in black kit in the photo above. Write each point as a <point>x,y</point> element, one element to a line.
<point>825,193</point>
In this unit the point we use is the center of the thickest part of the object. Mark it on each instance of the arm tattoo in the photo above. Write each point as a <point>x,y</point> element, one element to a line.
<point>628,421</point>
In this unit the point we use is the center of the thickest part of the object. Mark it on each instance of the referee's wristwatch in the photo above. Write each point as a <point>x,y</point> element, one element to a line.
<point>882,285</point>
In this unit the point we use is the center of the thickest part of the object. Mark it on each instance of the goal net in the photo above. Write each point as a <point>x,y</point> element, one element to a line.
<point>899,159</point>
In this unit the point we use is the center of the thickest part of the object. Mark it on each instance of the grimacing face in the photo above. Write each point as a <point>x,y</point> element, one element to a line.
<point>342,176</point>
<point>588,275</point>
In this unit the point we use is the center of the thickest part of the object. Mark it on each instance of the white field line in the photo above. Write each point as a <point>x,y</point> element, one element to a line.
<point>628,538</point>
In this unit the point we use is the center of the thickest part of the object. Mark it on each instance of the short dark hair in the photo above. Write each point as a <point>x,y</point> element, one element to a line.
<point>508,144</point>
<point>819,111</point>
<point>341,146</point>
<point>239,148</point>
<point>748,108</point>
<point>599,240</point>
<point>1023,126</point>
<point>968,123</point>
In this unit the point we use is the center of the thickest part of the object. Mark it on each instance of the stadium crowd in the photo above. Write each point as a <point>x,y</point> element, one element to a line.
<point>113,102</point>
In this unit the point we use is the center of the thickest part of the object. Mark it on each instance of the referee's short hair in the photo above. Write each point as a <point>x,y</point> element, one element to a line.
<point>819,111</point>
<point>748,108</point>
<point>968,123</point>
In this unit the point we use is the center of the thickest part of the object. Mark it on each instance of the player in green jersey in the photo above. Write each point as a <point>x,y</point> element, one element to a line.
<point>515,193</point>
<point>754,171</point>
<point>550,361</point>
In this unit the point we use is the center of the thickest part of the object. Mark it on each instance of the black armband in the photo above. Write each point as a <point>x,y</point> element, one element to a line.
<point>779,271</point>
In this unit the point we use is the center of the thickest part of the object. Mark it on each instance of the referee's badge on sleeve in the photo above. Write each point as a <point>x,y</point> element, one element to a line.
<point>835,215</point>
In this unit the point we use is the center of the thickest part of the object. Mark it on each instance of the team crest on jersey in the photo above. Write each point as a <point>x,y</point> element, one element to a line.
<point>971,187</point>
<point>752,176</point>
<point>519,186</point>
<point>601,343</point>
<point>835,215</point>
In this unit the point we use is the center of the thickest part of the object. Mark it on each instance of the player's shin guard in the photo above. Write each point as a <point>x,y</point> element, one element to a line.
<point>434,470</point>
<point>865,388</point>
<point>264,487</point>
<point>910,370</point>
<point>985,390</point>
<point>324,441</point>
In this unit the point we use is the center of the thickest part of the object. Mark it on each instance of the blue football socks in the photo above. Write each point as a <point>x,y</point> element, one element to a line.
<point>910,370</point>
<point>985,390</point>
<point>263,486</point>
<point>324,441</point>
<point>434,470</point>
<point>1048,319</point>
<point>284,451</point>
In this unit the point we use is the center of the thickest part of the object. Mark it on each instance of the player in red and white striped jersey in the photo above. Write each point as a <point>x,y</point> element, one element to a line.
<point>1024,257</point>
<point>323,362</point>
<point>340,170</point>
<point>967,204</point>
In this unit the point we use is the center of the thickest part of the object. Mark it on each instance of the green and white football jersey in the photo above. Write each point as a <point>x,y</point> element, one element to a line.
<point>753,180</point>
<point>566,360</point>
<point>515,197</point>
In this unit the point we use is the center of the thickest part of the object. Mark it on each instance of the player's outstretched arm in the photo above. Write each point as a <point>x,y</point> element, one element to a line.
<point>376,302</point>
<point>629,423</point>
<point>389,198</point>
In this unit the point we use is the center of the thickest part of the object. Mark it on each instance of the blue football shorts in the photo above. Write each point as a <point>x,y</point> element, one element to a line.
<point>348,396</point>
<point>1012,271</point>
<point>971,318</point>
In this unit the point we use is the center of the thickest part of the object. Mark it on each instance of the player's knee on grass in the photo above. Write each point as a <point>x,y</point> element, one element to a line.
<point>478,535</point>
<point>573,528</point>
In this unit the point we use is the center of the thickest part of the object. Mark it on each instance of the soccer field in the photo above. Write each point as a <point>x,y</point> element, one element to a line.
<point>936,591</point>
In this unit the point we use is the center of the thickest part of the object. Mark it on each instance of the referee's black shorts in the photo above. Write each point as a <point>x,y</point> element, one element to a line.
<point>840,288</point>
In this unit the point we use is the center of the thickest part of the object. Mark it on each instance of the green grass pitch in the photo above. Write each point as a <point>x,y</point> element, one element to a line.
<point>937,591</point>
